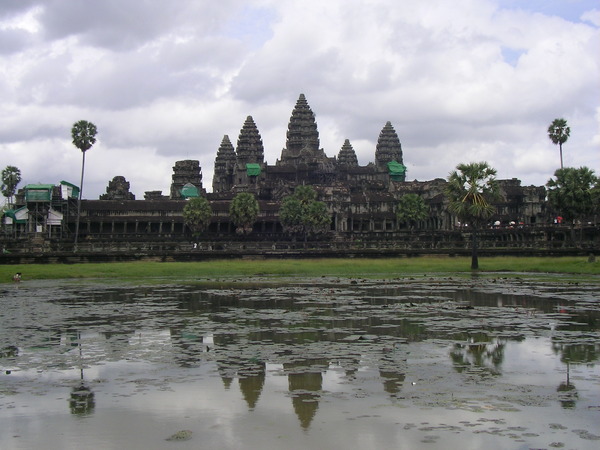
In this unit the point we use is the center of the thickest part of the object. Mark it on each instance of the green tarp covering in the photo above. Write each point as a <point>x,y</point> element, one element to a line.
<point>10,213</point>
<point>17,215</point>
<point>189,190</point>
<point>38,192</point>
<point>397,170</point>
<point>253,170</point>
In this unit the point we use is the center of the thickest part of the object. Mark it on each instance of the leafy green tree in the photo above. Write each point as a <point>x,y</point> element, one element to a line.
<point>487,355</point>
<point>290,214</point>
<point>583,353</point>
<point>305,193</point>
<point>317,219</point>
<point>197,214</point>
<point>11,177</point>
<point>410,209</point>
<point>574,193</point>
<point>559,132</point>
<point>302,213</point>
<point>596,197</point>
<point>243,211</point>
<point>470,189</point>
<point>84,136</point>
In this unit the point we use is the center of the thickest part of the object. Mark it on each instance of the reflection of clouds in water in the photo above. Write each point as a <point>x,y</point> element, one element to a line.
<point>526,361</point>
<point>151,359</point>
<point>334,379</point>
<point>170,398</point>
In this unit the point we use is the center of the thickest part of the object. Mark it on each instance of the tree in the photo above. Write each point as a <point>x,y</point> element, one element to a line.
<point>84,136</point>
<point>470,189</point>
<point>290,214</point>
<point>559,132</point>
<point>243,212</point>
<point>596,197</point>
<point>302,213</point>
<point>410,209</point>
<point>11,177</point>
<point>317,219</point>
<point>197,214</point>
<point>574,193</point>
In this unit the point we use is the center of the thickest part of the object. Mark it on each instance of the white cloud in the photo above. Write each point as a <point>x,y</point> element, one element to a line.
<point>460,81</point>
<point>592,16</point>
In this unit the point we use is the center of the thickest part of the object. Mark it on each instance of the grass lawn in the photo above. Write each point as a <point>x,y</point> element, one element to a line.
<point>349,267</point>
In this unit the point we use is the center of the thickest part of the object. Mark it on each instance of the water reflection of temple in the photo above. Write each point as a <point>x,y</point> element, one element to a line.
<point>305,380</point>
<point>237,329</point>
<point>251,378</point>
<point>392,374</point>
<point>238,361</point>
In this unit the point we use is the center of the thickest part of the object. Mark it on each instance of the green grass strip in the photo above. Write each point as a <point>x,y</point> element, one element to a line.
<point>350,267</point>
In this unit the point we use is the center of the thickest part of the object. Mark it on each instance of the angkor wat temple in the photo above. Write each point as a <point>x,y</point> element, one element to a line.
<point>362,199</point>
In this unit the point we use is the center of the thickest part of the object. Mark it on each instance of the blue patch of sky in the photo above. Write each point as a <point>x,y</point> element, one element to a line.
<point>252,25</point>
<point>511,55</point>
<point>570,10</point>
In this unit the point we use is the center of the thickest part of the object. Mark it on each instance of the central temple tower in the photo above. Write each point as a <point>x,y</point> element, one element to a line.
<point>302,143</point>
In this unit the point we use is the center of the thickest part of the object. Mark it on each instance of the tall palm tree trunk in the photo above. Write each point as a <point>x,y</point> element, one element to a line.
<point>560,150</point>
<point>474,245</point>
<point>79,201</point>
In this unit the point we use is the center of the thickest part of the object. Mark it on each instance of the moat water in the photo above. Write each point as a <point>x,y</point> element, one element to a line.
<point>416,362</point>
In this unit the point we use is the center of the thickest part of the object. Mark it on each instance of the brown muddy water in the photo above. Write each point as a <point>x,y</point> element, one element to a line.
<point>323,363</point>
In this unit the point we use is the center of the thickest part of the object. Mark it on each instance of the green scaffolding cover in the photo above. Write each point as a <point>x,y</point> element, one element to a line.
<point>397,170</point>
<point>17,215</point>
<point>38,192</point>
<point>189,190</point>
<point>253,170</point>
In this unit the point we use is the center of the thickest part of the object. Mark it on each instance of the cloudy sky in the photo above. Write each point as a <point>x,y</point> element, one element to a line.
<point>461,81</point>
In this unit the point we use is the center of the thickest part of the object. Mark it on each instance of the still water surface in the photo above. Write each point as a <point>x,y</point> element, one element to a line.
<point>301,363</point>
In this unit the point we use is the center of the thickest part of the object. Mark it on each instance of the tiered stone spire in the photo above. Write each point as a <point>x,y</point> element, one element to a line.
<point>249,145</point>
<point>388,147</point>
<point>302,131</point>
<point>224,164</point>
<point>118,189</point>
<point>347,155</point>
<point>184,172</point>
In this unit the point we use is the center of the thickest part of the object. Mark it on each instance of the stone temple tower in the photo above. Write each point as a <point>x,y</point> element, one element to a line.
<point>302,130</point>
<point>250,149</point>
<point>388,147</point>
<point>347,155</point>
<point>224,166</point>
<point>118,189</point>
<point>185,172</point>
<point>302,144</point>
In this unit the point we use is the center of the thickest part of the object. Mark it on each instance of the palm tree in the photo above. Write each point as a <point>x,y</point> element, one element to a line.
<point>559,132</point>
<point>197,214</point>
<point>11,177</point>
<point>470,189</point>
<point>84,136</point>
<point>243,211</point>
